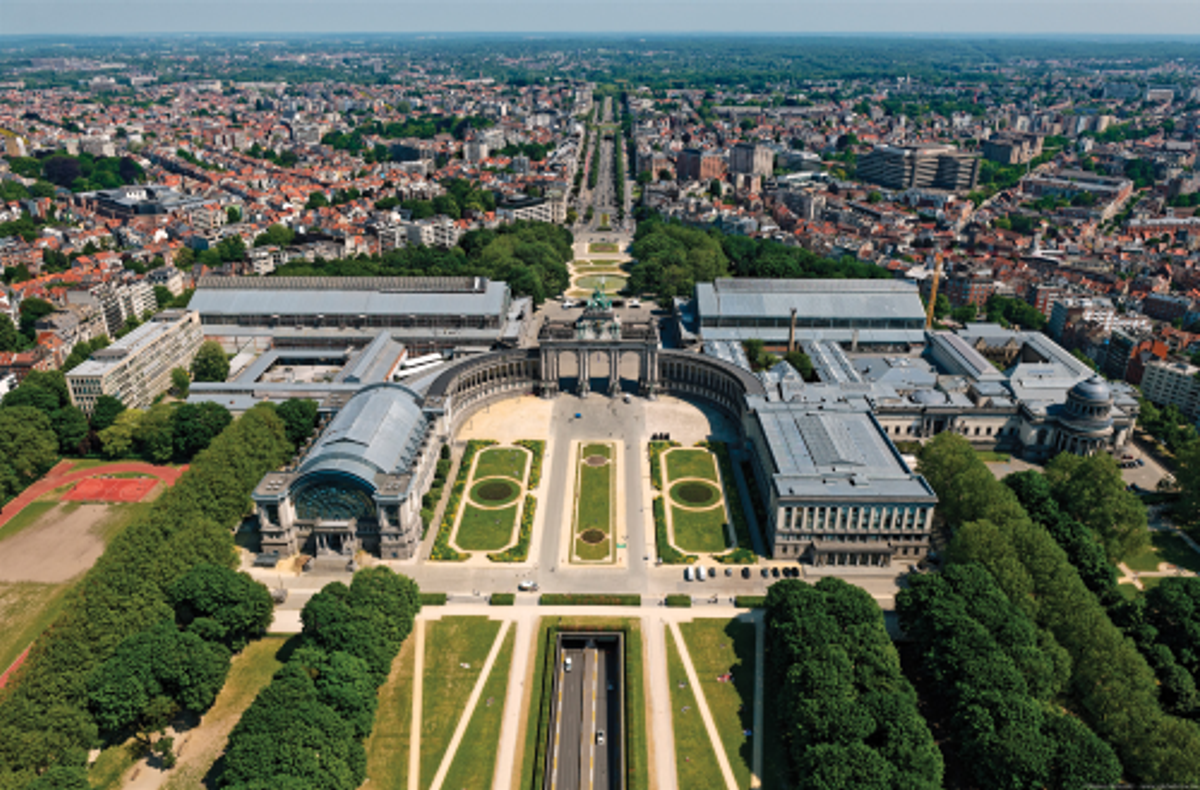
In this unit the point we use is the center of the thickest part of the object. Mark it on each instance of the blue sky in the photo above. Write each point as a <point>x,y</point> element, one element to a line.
<point>1136,17</point>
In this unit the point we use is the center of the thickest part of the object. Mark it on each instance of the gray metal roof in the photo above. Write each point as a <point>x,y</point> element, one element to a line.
<point>299,296</point>
<point>836,453</point>
<point>856,299</point>
<point>378,431</point>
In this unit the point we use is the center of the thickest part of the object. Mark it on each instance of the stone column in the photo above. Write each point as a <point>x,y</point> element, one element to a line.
<point>614,372</point>
<point>585,372</point>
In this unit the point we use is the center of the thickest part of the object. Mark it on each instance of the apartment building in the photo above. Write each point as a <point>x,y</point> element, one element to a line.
<point>1013,149</point>
<point>1071,311</point>
<point>694,165</point>
<point>137,368</point>
<point>1173,384</point>
<point>920,166</point>
<point>123,301</point>
<point>750,159</point>
<point>434,232</point>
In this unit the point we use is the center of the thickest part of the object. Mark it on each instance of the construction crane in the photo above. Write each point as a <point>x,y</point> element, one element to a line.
<point>937,273</point>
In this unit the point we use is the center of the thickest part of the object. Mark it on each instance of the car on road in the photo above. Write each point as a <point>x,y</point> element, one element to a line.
<point>634,303</point>
<point>599,737</point>
<point>567,664</point>
<point>527,585</point>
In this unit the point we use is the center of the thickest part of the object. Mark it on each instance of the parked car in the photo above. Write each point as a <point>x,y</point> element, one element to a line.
<point>745,573</point>
<point>775,572</point>
<point>729,571</point>
<point>527,585</point>
<point>687,574</point>
<point>766,573</point>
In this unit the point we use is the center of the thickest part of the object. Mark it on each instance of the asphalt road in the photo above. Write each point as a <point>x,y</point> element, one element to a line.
<point>586,707</point>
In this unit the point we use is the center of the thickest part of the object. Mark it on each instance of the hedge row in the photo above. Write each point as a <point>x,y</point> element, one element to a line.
<point>656,450</point>
<point>538,448</point>
<point>666,552</point>
<point>585,599</point>
<point>679,601</point>
<point>847,716</point>
<point>442,549</point>
<point>983,660</point>
<point>307,727</point>
<point>744,553</point>
<point>1111,687</point>
<point>750,601</point>
<point>429,501</point>
<point>520,552</point>
<point>502,599</point>
<point>433,599</point>
<point>43,710</point>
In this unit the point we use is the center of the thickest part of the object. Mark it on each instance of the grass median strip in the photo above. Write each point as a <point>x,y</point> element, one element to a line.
<point>475,761</point>
<point>390,741</point>
<point>695,763</point>
<point>455,650</point>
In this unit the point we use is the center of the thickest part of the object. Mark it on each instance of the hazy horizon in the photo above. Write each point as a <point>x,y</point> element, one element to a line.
<point>1055,18</point>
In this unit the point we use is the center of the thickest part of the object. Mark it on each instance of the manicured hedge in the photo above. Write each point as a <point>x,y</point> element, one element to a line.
<point>744,553</point>
<point>442,550</point>
<point>433,599</point>
<point>750,601</point>
<point>43,711</point>
<point>666,552</point>
<point>306,728</point>
<point>584,599</point>
<point>502,599</point>
<point>520,552</point>
<point>757,503</point>
<point>538,448</point>
<point>656,450</point>
<point>679,601</point>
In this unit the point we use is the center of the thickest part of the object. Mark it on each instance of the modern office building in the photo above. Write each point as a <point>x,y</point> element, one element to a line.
<point>137,368</point>
<point>921,167</point>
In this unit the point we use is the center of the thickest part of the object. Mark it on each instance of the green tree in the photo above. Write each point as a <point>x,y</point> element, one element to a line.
<point>299,417</point>
<point>9,339</point>
<point>233,214</point>
<point>194,426</point>
<point>153,435</point>
<point>105,412</point>
<point>181,382</point>
<point>1091,490</point>
<point>803,365</point>
<point>117,440</point>
<point>1187,475</point>
<point>316,200</point>
<point>71,427</point>
<point>185,259</point>
<point>275,236</point>
<point>239,607</point>
<point>210,363</point>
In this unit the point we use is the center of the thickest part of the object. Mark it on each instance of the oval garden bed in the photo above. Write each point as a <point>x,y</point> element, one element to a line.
<point>495,491</point>
<point>694,493</point>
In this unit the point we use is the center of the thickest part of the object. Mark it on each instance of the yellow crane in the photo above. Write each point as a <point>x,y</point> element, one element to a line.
<point>937,273</point>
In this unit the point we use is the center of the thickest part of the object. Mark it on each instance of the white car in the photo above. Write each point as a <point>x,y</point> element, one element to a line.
<point>599,737</point>
<point>567,664</point>
<point>634,303</point>
<point>527,585</point>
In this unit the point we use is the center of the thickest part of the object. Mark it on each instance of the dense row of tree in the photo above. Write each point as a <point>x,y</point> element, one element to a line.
<point>1177,684</point>
<point>80,173</point>
<point>45,718</point>
<point>847,716</point>
<point>984,660</point>
<point>530,256</point>
<point>306,728</point>
<point>1111,687</point>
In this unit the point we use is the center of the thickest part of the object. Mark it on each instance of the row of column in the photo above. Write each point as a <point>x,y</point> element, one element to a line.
<point>648,379</point>
<point>1078,445</point>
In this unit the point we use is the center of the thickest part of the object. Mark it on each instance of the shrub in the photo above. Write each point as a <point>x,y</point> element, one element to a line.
<point>585,599</point>
<point>733,501</point>
<point>739,556</point>
<point>538,448</point>
<point>433,599</point>
<point>750,601</point>
<point>679,601</point>
<point>502,599</point>
<point>442,549</point>
<point>520,552</point>
<point>656,451</point>
<point>666,552</point>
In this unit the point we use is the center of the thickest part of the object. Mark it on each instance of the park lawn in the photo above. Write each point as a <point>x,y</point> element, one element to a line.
<point>485,530</point>
<point>502,462</point>
<point>26,610</point>
<point>1128,590</point>
<point>992,457</point>
<point>695,762</point>
<point>718,646</point>
<point>390,742</point>
<point>593,503</point>
<point>597,448</point>
<point>475,762</point>
<point>1150,582</point>
<point>592,552</point>
<point>603,246</point>
<point>637,758</point>
<point>1165,547</point>
<point>691,463</point>
<point>449,643</point>
<point>700,530</point>
<point>250,671</point>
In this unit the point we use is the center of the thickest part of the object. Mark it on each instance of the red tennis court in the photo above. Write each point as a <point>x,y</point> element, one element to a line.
<point>111,489</point>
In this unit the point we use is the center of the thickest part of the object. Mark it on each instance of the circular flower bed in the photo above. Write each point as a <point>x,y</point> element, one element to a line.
<point>593,536</point>
<point>695,493</point>
<point>495,491</point>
